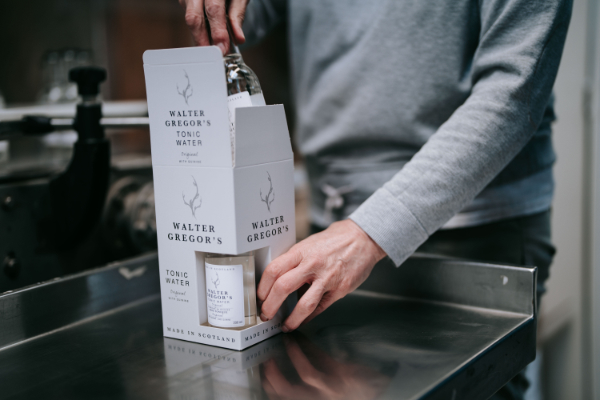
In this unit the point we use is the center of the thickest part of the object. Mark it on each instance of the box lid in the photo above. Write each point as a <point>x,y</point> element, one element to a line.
<point>187,106</point>
<point>261,136</point>
<point>189,123</point>
<point>183,55</point>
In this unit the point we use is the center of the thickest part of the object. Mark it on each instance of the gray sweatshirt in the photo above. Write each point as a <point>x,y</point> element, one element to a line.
<point>416,115</point>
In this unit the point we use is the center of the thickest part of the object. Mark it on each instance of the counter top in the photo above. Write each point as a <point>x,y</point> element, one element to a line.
<point>431,329</point>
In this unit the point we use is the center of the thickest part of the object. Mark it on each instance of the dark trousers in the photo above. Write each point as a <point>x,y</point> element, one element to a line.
<point>519,241</point>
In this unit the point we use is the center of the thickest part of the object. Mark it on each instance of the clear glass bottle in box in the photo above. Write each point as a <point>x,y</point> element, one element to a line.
<point>230,290</point>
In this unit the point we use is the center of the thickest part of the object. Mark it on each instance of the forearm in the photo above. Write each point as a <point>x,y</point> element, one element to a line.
<point>513,73</point>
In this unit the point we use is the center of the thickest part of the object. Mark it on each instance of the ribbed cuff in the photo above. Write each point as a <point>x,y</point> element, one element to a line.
<point>390,224</point>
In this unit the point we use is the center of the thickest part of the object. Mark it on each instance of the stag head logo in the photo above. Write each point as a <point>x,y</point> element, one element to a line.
<point>192,204</point>
<point>270,197</point>
<point>188,91</point>
<point>216,281</point>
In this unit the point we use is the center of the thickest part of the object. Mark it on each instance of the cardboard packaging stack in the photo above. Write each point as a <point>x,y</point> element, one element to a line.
<point>208,201</point>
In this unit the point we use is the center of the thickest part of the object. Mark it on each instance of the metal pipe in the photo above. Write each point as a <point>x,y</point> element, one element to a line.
<point>125,122</point>
<point>122,122</point>
<point>34,125</point>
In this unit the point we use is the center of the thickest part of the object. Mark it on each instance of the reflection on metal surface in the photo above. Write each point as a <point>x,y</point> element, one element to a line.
<point>285,366</point>
<point>99,334</point>
<point>195,369</point>
<point>310,372</point>
<point>128,274</point>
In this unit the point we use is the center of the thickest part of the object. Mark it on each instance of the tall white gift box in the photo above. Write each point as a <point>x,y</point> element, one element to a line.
<point>209,196</point>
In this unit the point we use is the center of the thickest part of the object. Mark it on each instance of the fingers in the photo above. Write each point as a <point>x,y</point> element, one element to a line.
<point>207,20</point>
<point>274,270</point>
<point>237,11</point>
<point>303,289</point>
<point>216,15</point>
<point>305,306</point>
<point>194,18</point>
<point>286,284</point>
<point>328,299</point>
<point>334,262</point>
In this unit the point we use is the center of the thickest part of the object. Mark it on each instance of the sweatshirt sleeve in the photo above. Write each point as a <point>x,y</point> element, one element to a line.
<point>513,71</point>
<point>261,17</point>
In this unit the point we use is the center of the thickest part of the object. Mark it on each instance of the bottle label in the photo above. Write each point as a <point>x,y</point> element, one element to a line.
<point>225,295</point>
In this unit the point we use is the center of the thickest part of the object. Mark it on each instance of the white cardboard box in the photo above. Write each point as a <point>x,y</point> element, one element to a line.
<point>207,202</point>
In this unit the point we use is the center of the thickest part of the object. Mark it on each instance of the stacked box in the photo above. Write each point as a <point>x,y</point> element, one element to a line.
<point>208,200</point>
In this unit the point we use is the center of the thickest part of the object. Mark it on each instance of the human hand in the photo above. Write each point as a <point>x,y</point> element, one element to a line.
<point>321,376</point>
<point>207,20</point>
<point>333,262</point>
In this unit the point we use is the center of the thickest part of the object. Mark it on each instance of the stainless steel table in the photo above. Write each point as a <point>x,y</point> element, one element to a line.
<point>432,329</point>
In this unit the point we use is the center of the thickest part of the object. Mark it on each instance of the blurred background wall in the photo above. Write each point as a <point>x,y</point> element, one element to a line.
<point>567,311</point>
<point>119,31</point>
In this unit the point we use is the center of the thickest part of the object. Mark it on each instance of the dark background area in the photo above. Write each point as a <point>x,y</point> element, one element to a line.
<point>118,32</point>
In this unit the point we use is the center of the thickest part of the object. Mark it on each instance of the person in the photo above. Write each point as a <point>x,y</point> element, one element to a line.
<point>424,126</point>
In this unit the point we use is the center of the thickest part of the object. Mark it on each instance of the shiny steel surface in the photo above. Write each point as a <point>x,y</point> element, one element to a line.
<point>47,306</point>
<point>368,345</point>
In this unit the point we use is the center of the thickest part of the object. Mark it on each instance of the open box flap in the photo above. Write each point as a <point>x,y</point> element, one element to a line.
<point>261,135</point>
<point>187,105</point>
<point>183,55</point>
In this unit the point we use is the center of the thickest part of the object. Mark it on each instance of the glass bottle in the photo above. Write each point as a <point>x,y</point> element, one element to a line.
<point>230,290</point>
<point>240,78</point>
<point>243,88</point>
